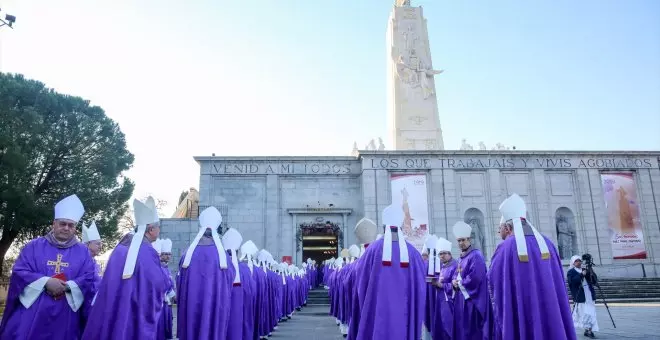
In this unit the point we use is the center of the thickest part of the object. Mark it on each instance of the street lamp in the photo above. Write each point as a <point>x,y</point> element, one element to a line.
<point>9,21</point>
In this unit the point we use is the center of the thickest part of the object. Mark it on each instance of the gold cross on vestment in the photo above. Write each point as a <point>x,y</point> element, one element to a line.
<point>58,264</point>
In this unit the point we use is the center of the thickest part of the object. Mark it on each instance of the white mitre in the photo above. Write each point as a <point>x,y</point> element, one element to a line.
<point>143,217</point>
<point>210,218</point>
<point>151,203</point>
<point>354,251</point>
<point>70,208</point>
<point>85,238</point>
<point>393,217</point>
<point>462,230</point>
<point>158,245</point>
<point>92,233</point>
<point>344,253</point>
<point>249,250</point>
<point>441,245</point>
<point>232,240</point>
<point>513,209</point>
<point>366,231</point>
<point>166,246</point>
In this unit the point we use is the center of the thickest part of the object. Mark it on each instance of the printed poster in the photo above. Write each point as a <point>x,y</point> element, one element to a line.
<point>409,192</point>
<point>623,215</point>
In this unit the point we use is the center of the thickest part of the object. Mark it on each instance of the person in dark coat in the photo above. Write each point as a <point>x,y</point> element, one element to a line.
<point>584,297</point>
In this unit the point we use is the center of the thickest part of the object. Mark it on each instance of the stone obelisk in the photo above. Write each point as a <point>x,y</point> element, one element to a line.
<point>412,104</point>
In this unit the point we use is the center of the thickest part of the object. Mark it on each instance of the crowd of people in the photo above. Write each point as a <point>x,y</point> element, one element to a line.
<point>56,291</point>
<point>387,289</point>
<point>383,288</point>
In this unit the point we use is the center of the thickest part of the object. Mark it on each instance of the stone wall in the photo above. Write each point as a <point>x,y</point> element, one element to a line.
<point>269,197</point>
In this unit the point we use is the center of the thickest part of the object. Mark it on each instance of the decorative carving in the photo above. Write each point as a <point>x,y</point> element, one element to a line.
<point>474,217</point>
<point>411,143</point>
<point>566,236</point>
<point>465,145</point>
<point>355,151</point>
<point>429,144</point>
<point>402,3</point>
<point>499,146</point>
<point>328,228</point>
<point>482,146</point>
<point>418,120</point>
<point>371,145</point>
<point>381,146</point>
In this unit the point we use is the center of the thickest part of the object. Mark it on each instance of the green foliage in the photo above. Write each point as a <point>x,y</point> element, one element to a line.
<point>53,145</point>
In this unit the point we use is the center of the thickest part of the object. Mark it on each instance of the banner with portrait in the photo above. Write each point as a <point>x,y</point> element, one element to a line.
<point>409,191</point>
<point>623,215</point>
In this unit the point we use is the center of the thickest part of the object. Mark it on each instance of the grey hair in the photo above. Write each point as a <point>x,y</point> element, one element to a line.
<point>509,224</point>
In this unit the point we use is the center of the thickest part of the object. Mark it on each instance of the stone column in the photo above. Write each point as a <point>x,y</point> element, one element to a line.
<point>344,230</point>
<point>294,253</point>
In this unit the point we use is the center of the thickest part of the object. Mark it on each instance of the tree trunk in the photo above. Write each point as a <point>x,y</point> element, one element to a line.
<point>6,240</point>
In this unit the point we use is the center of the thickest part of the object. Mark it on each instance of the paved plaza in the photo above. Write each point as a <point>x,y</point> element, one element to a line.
<point>633,321</point>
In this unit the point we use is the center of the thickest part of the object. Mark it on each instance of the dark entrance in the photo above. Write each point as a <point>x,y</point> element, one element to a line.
<point>319,240</point>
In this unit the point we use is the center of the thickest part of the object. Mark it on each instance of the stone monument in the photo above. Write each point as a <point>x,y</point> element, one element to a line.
<point>412,106</point>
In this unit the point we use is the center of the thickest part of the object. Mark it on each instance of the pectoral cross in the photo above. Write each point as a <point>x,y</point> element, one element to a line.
<point>58,264</point>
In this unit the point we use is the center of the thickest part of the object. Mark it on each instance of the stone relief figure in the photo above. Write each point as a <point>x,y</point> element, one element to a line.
<point>355,149</point>
<point>565,237</point>
<point>402,3</point>
<point>465,145</point>
<point>425,76</point>
<point>482,146</point>
<point>371,145</point>
<point>499,146</point>
<point>381,146</point>
<point>478,239</point>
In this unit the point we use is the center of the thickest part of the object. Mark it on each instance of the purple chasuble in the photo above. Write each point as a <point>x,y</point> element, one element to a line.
<point>391,297</point>
<point>443,316</point>
<point>472,314</point>
<point>204,294</point>
<point>89,297</point>
<point>241,318</point>
<point>128,308</point>
<point>47,317</point>
<point>165,324</point>
<point>529,298</point>
<point>261,303</point>
<point>429,309</point>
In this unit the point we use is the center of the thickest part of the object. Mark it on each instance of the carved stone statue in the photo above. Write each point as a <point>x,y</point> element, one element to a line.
<point>482,146</point>
<point>465,145</point>
<point>355,151</point>
<point>381,146</point>
<point>402,3</point>
<point>499,146</point>
<point>565,236</point>
<point>478,240</point>
<point>371,145</point>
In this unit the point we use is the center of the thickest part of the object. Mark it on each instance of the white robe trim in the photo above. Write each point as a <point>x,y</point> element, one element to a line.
<point>169,296</point>
<point>94,299</point>
<point>31,293</point>
<point>75,297</point>
<point>466,295</point>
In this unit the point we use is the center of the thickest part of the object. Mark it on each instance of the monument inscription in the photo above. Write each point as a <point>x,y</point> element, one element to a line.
<point>508,163</point>
<point>281,168</point>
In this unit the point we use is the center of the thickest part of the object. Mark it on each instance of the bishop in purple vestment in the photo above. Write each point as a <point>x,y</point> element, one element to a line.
<point>391,285</point>
<point>526,281</point>
<point>92,240</point>
<point>472,309</point>
<point>164,249</point>
<point>205,283</point>
<point>129,302</point>
<point>49,282</point>
<point>443,316</point>
<point>252,313</point>
<point>241,317</point>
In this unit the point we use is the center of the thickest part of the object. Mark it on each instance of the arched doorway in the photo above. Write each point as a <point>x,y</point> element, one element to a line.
<point>319,240</point>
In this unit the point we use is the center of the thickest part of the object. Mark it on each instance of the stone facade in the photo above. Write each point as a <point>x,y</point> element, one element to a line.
<point>266,198</point>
